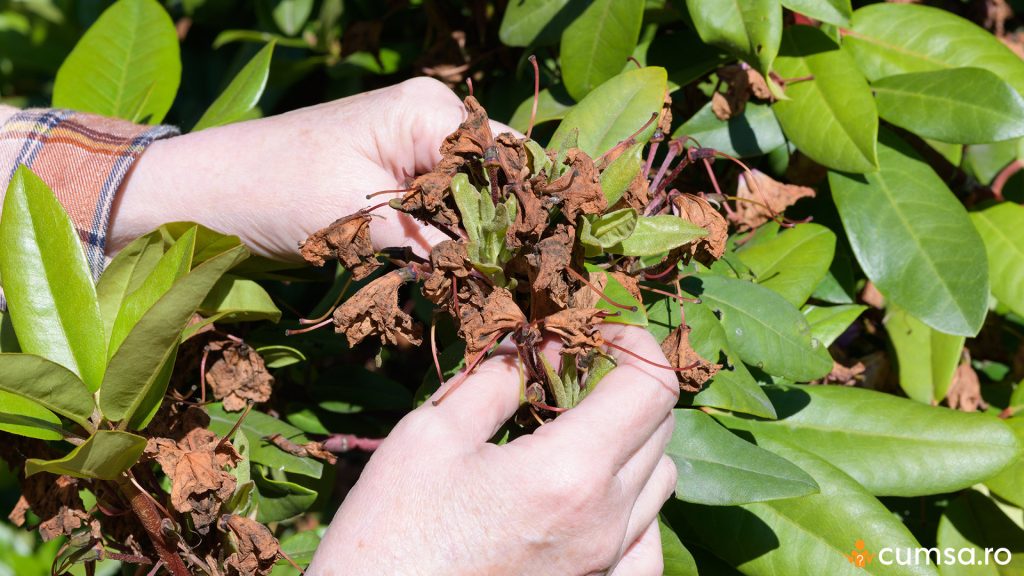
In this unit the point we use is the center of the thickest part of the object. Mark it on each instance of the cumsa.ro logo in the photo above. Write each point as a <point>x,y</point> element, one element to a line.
<point>861,557</point>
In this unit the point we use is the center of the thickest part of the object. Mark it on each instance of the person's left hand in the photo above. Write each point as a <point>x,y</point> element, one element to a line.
<point>276,180</point>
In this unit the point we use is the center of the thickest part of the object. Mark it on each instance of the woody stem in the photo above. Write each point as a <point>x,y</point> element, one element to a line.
<point>150,518</point>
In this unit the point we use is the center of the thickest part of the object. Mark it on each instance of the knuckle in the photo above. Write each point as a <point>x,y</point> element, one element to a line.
<point>426,88</point>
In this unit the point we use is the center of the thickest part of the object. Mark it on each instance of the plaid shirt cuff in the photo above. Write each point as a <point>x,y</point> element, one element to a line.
<point>84,158</point>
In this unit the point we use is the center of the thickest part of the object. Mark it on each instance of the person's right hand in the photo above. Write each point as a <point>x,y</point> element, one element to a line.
<point>580,495</point>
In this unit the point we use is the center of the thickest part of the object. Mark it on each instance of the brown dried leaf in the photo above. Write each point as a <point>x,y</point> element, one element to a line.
<point>348,240</point>
<point>637,195</point>
<point>256,548</point>
<point>871,296</point>
<point>448,259</point>
<point>845,375</point>
<point>681,355</point>
<point>374,310</point>
<point>531,217</point>
<point>239,377</point>
<point>547,264</point>
<point>196,467</point>
<point>579,189</point>
<point>427,198</point>
<point>724,107</point>
<point>965,391</point>
<point>697,210</point>
<point>55,500</point>
<point>585,296</point>
<point>473,136</point>
<point>577,327</point>
<point>480,327</point>
<point>764,193</point>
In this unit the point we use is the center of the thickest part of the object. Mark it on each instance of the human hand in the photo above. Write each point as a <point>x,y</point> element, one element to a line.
<point>578,496</point>
<point>276,180</point>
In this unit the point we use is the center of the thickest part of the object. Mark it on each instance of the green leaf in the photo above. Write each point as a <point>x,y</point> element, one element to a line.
<point>829,322</point>
<point>764,329</point>
<point>676,559</point>
<point>890,39</point>
<point>892,446</point>
<point>616,178</point>
<point>553,103</point>
<point>718,468</point>
<point>974,527</point>
<point>8,339</point>
<point>278,356</point>
<point>614,290</point>
<point>750,29</point>
<point>658,234</point>
<point>21,416</point>
<point>278,500</point>
<point>105,455</point>
<point>258,426</point>
<point>125,274</point>
<point>1002,230</point>
<point>700,59</point>
<point>830,117</point>
<point>596,46</point>
<point>615,110</point>
<point>229,36</point>
<point>48,384</point>
<point>537,22</point>
<point>836,12</point>
<point>808,535</point>
<point>291,15</point>
<point>927,358</point>
<point>914,240</point>
<point>50,295</point>
<point>242,94</point>
<point>134,370</point>
<point>755,132</point>
<point>959,105</point>
<point>608,229</point>
<point>235,299</point>
<point>172,266</point>
<point>1009,484</point>
<point>467,199</point>
<point>127,65</point>
<point>794,262</point>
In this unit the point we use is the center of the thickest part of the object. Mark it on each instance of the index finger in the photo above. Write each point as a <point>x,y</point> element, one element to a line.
<point>626,407</point>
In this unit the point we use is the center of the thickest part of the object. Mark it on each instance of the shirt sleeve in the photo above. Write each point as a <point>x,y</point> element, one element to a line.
<point>83,158</point>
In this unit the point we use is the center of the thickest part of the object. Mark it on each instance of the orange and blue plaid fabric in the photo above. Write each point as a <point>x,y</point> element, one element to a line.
<point>84,158</point>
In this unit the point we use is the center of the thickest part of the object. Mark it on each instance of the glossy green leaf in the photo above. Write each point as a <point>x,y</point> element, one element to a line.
<point>676,559</point>
<point>125,274</point>
<point>890,39</point>
<point>48,384</point>
<point>914,240</point>
<point>616,178</point>
<point>278,356</point>
<point>50,295</point>
<point>836,12</point>
<point>127,65</point>
<point>300,547</point>
<point>278,500</point>
<point>829,322</point>
<point>792,263</point>
<point>1002,230</point>
<point>609,229</point>
<point>21,416</point>
<point>614,290</point>
<point>615,110</point>
<point>972,524</point>
<point>230,36</point>
<point>258,426</point>
<point>104,455</point>
<point>537,22</point>
<point>552,104</point>
<point>235,299</point>
<point>242,94</point>
<point>764,329</point>
<point>927,358</point>
<point>658,234</point>
<point>755,132</point>
<point>1009,484</point>
<point>892,446</point>
<point>596,46</point>
<point>958,105</point>
<point>8,339</point>
<point>172,266</point>
<point>749,29</point>
<point>134,370</point>
<point>718,468</point>
<point>291,15</point>
<point>808,535</point>
<point>830,117</point>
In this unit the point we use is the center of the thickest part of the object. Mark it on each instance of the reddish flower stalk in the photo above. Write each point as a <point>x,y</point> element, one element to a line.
<point>331,308</point>
<point>317,326</point>
<point>469,369</point>
<point>597,291</point>
<point>670,295</point>
<point>646,361</point>
<point>382,192</point>
<point>536,94</point>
